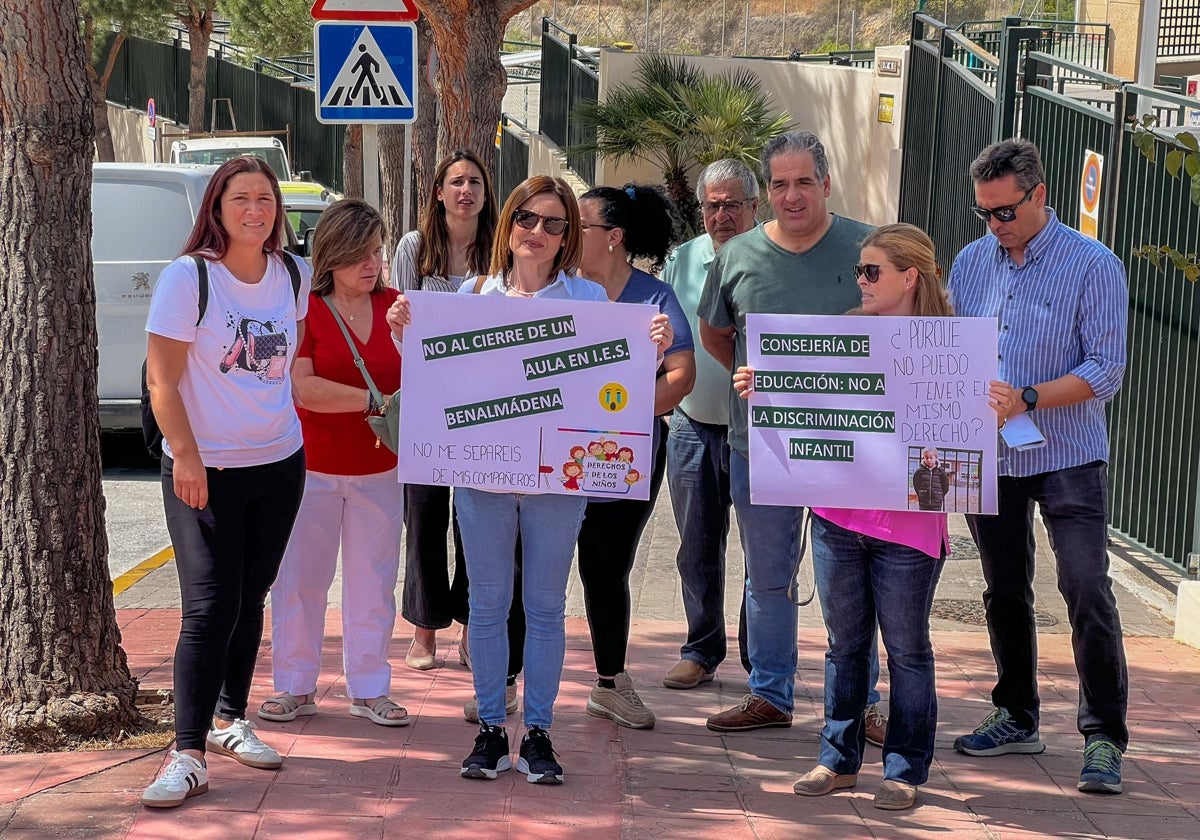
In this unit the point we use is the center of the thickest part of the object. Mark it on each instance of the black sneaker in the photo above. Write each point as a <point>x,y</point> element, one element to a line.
<point>490,755</point>
<point>537,758</point>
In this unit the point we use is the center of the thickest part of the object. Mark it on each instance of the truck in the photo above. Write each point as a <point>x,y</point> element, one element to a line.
<point>217,150</point>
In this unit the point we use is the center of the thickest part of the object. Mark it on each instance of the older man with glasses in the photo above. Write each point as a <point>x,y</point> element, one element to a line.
<point>697,450</point>
<point>1061,300</point>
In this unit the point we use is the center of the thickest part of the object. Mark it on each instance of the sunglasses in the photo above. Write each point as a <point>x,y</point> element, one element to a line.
<point>868,270</point>
<point>1002,214</point>
<point>553,225</point>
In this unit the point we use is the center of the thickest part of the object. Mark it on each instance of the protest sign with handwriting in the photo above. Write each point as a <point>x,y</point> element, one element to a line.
<point>855,411</point>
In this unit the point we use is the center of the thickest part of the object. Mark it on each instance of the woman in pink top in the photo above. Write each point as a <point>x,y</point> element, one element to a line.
<point>880,567</point>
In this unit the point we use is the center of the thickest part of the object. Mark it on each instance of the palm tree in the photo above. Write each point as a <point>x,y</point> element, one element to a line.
<point>677,117</point>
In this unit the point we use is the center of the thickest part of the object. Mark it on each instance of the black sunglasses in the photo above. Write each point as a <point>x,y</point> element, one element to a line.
<point>553,225</point>
<point>868,270</point>
<point>1002,214</point>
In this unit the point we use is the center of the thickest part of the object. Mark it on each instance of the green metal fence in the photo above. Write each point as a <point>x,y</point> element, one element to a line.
<point>1155,419</point>
<point>1068,109</point>
<point>260,101</point>
<point>512,165</point>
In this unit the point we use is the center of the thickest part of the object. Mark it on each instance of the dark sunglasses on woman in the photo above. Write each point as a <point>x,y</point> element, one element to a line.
<point>553,225</point>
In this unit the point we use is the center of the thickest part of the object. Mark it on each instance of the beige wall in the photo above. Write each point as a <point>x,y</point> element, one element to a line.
<point>1125,18</point>
<point>130,138</point>
<point>837,103</point>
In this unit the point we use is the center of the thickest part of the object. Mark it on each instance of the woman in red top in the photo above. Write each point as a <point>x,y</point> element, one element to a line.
<point>351,497</point>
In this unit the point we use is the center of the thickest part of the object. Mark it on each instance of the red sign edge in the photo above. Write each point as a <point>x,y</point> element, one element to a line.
<point>319,12</point>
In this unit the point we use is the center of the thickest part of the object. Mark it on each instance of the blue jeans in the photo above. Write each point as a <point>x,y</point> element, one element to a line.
<point>1074,506</point>
<point>864,580</point>
<point>771,545</point>
<point>549,526</point>
<point>698,475</point>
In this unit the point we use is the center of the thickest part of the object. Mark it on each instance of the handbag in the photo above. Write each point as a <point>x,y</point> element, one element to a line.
<point>385,424</point>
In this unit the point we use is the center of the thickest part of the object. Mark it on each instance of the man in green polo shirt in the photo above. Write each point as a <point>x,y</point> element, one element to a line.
<point>801,262</point>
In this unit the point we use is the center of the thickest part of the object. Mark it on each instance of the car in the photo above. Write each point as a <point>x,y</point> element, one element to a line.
<point>305,205</point>
<point>217,150</point>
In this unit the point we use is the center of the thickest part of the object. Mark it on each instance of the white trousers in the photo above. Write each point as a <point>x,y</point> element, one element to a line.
<point>363,514</point>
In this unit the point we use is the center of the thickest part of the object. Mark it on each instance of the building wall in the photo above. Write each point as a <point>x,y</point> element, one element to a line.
<point>838,104</point>
<point>130,137</point>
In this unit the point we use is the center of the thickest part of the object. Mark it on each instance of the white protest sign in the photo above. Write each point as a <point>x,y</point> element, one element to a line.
<point>855,411</point>
<point>528,396</point>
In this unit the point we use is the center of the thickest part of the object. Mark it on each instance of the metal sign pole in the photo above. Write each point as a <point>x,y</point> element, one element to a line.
<point>408,176</point>
<point>370,159</point>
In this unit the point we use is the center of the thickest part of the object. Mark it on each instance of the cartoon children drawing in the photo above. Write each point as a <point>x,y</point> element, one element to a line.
<point>596,450</point>
<point>572,472</point>
<point>625,455</point>
<point>610,450</point>
<point>577,453</point>
<point>632,477</point>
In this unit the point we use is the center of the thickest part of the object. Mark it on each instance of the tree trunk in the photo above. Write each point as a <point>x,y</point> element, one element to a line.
<point>63,674</point>
<point>470,80</point>
<point>392,151</point>
<point>98,87</point>
<point>197,17</point>
<point>352,162</point>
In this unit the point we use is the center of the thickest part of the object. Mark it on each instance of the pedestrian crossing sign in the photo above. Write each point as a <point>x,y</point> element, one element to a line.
<point>366,72</point>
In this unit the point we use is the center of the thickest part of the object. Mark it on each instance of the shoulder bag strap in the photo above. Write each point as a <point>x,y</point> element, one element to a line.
<point>293,270</point>
<point>359,363</point>
<point>202,286</point>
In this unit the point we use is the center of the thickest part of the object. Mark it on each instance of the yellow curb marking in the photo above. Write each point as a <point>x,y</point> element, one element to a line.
<point>128,579</point>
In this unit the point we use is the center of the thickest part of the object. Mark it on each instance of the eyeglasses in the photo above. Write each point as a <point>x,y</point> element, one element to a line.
<point>586,226</point>
<point>1002,214</point>
<point>712,208</point>
<point>553,225</point>
<point>870,271</point>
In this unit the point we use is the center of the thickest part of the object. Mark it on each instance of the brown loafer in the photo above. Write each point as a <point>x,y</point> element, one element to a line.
<point>821,780</point>
<point>687,674</point>
<point>876,725</point>
<point>752,713</point>
<point>895,795</point>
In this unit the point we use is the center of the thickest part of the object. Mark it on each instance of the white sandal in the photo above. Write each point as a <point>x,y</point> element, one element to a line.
<point>291,705</point>
<point>377,713</point>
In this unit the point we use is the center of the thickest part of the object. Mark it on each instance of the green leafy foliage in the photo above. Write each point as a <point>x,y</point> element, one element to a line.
<point>677,117</point>
<point>271,28</point>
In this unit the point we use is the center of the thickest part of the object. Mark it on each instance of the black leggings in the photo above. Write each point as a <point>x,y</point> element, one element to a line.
<point>608,542</point>
<point>227,555</point>
<point>430,599</point>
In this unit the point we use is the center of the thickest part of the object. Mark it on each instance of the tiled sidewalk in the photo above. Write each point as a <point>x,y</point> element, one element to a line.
<point>346,778</point>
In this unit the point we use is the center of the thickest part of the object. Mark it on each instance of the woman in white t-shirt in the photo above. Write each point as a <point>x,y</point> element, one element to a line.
<point>224,324</point>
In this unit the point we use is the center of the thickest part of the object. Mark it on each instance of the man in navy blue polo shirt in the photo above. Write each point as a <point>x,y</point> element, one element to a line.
<point>1061,301</point>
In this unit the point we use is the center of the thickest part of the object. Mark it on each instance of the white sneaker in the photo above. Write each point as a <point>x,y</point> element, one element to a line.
<point>183,778</point>
<point>241,744</point>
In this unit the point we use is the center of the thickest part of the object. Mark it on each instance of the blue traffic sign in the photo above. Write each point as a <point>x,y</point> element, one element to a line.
<point>366,72</point>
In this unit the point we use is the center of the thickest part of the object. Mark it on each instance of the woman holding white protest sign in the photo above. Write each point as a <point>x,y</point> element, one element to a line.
<point>879,568</point>
<point>620,225</point>
<point>535,253</point>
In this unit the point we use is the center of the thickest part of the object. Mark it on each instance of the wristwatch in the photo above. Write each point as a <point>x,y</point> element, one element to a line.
<point>1029,396</point>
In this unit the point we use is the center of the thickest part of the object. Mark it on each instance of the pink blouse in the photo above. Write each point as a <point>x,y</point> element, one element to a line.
<point>928,533</point>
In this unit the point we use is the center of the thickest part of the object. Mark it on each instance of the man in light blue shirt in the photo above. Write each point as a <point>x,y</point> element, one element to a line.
<point>697,449</point>
<point>1061,301</point>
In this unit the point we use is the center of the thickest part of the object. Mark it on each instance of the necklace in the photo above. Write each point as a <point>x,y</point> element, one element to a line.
<point>342,310</point>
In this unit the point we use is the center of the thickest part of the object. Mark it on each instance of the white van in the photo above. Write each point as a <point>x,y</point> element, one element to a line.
<point>217,150</point>
<point>142,214</point>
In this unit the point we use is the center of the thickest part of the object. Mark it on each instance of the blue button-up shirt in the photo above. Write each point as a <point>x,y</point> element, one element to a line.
<point>1063,311</point>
